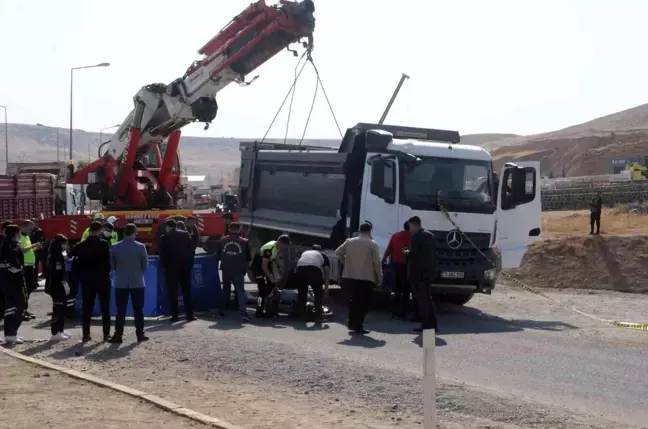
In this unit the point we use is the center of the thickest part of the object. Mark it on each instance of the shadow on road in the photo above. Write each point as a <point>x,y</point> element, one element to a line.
<point>363,341</point>
<point>452,320</point>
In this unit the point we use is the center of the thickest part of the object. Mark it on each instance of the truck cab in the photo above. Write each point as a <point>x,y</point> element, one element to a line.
<point>483,221</point>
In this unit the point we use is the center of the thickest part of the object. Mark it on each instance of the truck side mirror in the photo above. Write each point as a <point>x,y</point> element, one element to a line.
<point>383,180</point>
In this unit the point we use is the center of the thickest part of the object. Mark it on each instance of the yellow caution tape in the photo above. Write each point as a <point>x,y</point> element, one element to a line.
<point>531,289</point>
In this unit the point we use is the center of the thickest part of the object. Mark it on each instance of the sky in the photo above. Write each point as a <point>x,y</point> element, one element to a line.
<point>500,66</point>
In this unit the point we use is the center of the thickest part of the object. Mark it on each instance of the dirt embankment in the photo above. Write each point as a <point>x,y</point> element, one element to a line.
<point>591,262</point>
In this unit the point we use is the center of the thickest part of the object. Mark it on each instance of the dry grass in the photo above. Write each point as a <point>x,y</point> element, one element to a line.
<point>576,223</point>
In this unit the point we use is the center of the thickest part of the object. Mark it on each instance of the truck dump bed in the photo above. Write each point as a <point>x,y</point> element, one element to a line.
<point>291,188</point>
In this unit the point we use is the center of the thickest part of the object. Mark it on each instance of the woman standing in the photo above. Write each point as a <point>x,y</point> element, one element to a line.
<point>57,287</point>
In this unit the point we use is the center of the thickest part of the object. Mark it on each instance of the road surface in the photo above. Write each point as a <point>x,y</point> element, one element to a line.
<point>510,360</point>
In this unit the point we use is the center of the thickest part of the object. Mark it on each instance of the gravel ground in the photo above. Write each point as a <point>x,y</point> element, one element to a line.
<point>47,399</point>
<point>506,361</point>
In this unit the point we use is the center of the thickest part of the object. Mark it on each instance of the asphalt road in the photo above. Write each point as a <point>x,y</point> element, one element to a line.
<point>510,359</point>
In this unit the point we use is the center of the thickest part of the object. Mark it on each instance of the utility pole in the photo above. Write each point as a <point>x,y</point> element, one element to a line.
<point>58,155</point>
<point>393,97</point>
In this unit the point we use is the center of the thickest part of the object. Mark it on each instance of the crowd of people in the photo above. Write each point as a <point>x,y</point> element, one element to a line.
<point>276,266</point>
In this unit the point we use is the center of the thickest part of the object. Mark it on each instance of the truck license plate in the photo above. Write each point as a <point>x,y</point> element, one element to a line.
<point>452,275</point>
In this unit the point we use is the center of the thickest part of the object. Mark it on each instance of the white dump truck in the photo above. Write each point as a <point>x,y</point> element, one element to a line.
<point>386,174</point>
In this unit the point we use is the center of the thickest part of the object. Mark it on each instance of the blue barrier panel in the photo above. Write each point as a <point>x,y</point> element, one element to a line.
<point>151,300</point>
<point>205,287</point>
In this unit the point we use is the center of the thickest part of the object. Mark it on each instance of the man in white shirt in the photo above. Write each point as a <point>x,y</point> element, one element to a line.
<point>313,269</point>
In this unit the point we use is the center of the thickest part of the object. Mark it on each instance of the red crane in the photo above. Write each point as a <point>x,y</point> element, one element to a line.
<point>140,168</point>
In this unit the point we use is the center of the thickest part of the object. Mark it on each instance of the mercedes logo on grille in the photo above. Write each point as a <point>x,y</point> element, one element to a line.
<point>454,239</point>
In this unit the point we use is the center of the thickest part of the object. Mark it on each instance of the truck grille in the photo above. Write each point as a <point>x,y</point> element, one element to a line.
<point>464,257</point>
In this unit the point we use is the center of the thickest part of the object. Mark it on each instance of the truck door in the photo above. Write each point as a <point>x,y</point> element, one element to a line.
<point>380,198</point>
<point>519,211</point>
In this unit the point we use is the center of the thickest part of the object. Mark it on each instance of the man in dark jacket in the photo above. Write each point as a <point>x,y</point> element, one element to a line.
<point>93,261</point>
<point>596,206</point>
<point>234,255</point>
<point>193,231</point>
<point>421,271</point>
<point>13,280</point>
<point>177,259</point>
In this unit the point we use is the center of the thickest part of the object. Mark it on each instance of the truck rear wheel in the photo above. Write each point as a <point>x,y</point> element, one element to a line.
<point>456,298</point>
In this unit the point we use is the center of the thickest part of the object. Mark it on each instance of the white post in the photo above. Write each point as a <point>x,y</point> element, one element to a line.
<point>429,379</point>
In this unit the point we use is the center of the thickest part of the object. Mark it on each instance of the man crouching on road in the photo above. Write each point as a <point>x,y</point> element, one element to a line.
<point>277,271</point>
<point>234,255</point>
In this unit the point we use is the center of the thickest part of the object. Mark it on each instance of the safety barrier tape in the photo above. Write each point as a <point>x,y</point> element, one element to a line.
<point>531,289</point>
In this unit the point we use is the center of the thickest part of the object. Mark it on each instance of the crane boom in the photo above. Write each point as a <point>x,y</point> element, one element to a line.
<point>162,110</point>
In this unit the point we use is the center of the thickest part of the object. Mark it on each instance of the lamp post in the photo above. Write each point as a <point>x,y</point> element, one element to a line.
<point>6,140</point>
<point>72,93</point>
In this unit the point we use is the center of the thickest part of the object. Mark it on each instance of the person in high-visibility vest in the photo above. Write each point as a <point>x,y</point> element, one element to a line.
<point>97,217</point>
<point>262,269</point>
<point>114,238</point>
<point>109,235</point>
<point>29,267</point>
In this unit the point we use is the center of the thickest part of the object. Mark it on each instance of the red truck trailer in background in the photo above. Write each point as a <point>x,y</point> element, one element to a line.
<point>26,196</point>
<point>34,196</point>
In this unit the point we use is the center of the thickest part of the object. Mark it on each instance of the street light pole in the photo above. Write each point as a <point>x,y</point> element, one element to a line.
<point>6,140</point>
<point>72,95</point>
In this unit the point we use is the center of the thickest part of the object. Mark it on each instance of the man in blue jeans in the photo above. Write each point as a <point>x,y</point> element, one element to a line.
<point>129,259</point>
<point>234,255</point>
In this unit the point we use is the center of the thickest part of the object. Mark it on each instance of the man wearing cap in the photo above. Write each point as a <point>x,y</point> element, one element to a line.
<point>98,217</point>
<point>362,272</point>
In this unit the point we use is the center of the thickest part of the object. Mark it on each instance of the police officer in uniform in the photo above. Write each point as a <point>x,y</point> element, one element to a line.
<point>13,280</point>
<point>3,237</point>
<point>233,252</point>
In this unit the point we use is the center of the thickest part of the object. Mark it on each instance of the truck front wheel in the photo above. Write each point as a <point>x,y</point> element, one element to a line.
<point>456,298</point>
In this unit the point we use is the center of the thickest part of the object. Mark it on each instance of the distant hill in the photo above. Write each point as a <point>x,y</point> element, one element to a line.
<point>200,155</point>
<point>582,149</point>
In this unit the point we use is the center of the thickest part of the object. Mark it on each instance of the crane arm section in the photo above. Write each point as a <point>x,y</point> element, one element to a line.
<point>249,40</point>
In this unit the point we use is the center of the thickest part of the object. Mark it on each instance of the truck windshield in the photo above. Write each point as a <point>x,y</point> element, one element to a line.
<point>462,185</point>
